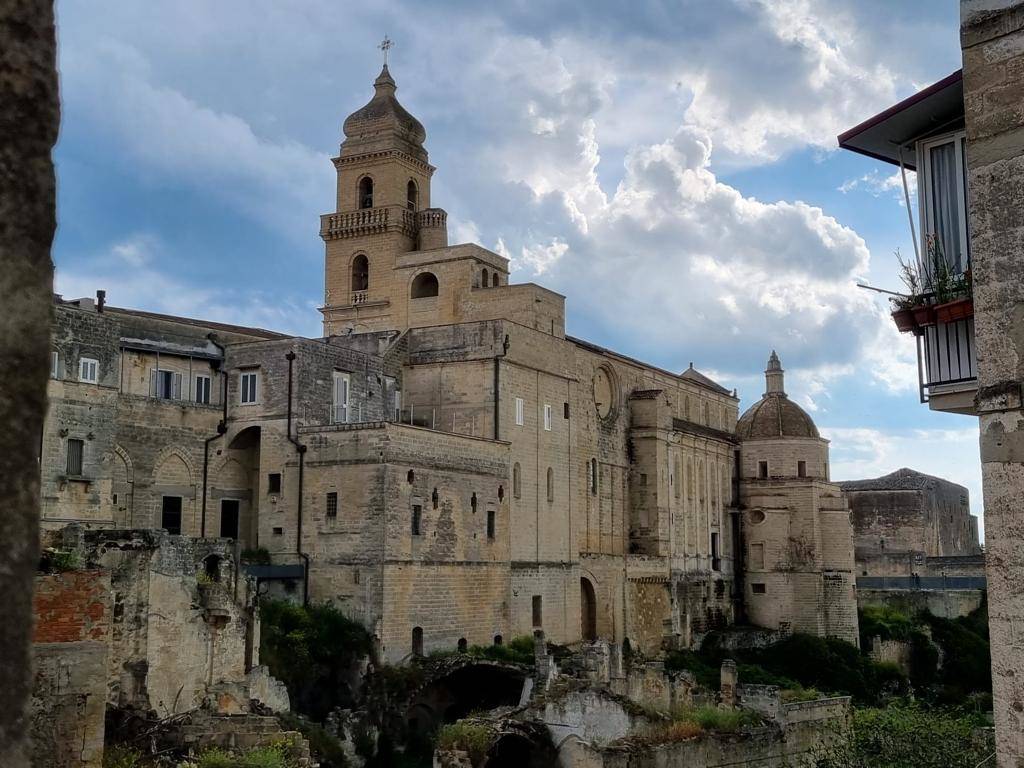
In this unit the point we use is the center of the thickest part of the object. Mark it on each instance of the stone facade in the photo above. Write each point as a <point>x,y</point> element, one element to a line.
<point>445,463</point>
<point>798,559</point>
<point>992,37</point>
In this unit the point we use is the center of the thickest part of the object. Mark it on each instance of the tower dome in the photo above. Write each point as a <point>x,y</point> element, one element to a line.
<point>775,415</point>
<point>383,123</point>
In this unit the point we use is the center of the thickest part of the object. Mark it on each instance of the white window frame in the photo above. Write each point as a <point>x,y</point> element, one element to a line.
<point>207,389</point>
<point>55,365</point>
<point>88,370</point>
<point>547,417</point>
<point>924,148</point>
<point>155,379</point>
<point>520,411</point>
<point>243,387</point>
<point>341,397</point>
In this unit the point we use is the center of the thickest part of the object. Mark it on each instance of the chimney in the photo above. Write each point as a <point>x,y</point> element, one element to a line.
<point>101,300</point>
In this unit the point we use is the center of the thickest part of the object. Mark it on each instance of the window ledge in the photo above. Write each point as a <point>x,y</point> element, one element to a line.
<point>76,479</point>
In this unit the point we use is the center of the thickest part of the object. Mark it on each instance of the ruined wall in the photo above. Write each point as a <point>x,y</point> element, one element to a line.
<point>992,37</point>
<point>70,646</point>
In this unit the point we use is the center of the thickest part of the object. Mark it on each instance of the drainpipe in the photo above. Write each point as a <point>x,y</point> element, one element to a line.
<point>222,428</point>
<point>497,387</point>
<point>301,450</point>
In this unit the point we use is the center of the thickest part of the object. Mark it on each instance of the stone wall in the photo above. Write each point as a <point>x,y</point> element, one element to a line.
<point>992,38</point>
<point>70,646</point>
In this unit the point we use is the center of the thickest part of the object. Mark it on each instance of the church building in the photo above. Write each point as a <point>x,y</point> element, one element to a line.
<point>445,464</point>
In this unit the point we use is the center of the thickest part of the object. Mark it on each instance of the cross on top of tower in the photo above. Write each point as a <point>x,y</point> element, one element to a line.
<point>385,46</point>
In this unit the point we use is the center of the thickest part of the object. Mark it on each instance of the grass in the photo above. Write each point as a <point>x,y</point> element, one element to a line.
<point>122,756</point>
<point>472,738</point>
<point>276,755</point>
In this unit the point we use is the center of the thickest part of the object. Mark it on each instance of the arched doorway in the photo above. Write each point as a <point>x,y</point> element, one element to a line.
<point>588,610</point>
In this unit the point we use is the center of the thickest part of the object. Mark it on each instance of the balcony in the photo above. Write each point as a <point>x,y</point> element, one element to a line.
<point>367,221</point>
<point>358,297</point>
<point>947,365</point>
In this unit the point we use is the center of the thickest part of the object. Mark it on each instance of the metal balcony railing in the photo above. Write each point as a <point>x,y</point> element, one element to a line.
<point>946,355</point>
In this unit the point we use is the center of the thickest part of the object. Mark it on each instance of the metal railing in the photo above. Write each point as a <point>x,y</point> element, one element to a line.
<point>946,355</point>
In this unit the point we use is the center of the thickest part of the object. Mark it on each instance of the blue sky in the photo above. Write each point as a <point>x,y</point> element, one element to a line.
<point>669,166</point>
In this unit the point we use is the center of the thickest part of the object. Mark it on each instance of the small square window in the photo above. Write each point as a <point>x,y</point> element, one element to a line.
<point>248,387</point>
<point>758,589</point>
<point>274,482</point>
<point>88,370</point>
<point>279,531</point>
<point>332,504</point>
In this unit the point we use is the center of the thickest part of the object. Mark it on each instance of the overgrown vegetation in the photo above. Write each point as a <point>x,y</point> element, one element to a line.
<point>519,650</point>
<point>904,735</point>
<point>279,754</point>
<point>325,748</point>
<point>314,651</point>
<point>257,556</point>
<point>686,723</point>
<point>59,560</point>
<point>472,738</point>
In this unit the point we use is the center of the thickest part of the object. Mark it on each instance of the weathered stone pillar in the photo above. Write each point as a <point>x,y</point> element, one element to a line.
<point>992,37</point>
<point>729,680</point>
<point>29,117</point>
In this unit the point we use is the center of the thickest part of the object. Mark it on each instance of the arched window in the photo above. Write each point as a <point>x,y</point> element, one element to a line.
<point>501,493</point>
<point>517,481</point>
<point>412,195</point>
<point>462,641</point>
<point>551,484</point>
<point>360,273</point>
<point>417,641</point>
<point>366,192</point>
<point>424,285</point>
<point>497,639</point>
<point>211,567</point>
<point>484,279</point>
<point>472,502</point>
<point>494,280</point>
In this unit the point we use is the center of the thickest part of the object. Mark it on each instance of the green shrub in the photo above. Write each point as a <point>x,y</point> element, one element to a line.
<point>311,650</point>
<point>325,748</point>
<point>59,561</point>
<point>122,756</point>
<point>472,738</point>
<point>519,650</point>
<point>711,718</point>
<point>706,671</point>
<point>885,622</point>
<point>908,736</point>
<point>794,695</point>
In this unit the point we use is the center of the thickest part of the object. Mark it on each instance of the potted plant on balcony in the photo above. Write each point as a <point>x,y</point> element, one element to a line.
<point>959,304</point>
<point>907,307</point>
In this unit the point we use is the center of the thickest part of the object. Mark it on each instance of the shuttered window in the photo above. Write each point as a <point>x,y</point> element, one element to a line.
<point>75,449</point>
<point>340,409</point>
<point>165,385</point>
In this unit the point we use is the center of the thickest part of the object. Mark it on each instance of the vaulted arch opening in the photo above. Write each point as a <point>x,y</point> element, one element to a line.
<point>424,286</point>
<point>360,273</point>
<point>588,610</point>
<point>366,192</point>
<point>412,196</point>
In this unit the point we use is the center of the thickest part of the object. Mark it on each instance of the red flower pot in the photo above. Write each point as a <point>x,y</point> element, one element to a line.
<point>952,311</point>
<point>904,319</point>
<point>924,315</point>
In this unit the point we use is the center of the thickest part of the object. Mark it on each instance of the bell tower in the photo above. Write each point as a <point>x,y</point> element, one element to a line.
<point>382,204</point>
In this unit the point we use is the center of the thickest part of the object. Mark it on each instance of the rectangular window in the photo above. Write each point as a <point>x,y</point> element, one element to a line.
<point>538,611</point>
<point>88,370</point>
<point>417,519</point>
<point>547,417</point>
<point>341,389</point>
<point>229,518</point>
<point>398,405</point>
<point>801,469</point>
<point>55,365</point>
<point>758,589</point>
<point>165,385</point>
<point>490,523</point>
<point>565,410</point>
<point>520,411</point>
<point>248,387</point>
<point>202,389</point>
<point>762,470</point>
<point>278,531</point>
<point>943,192</point>
<point>274,482</point>
<point>332,504</point>
<point>170,515</point>
<point>757,556</point>
<point>74,464</point>
<point>716,558</point>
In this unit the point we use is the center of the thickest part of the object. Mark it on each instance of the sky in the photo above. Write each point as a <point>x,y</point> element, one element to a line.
<point>670,167</point>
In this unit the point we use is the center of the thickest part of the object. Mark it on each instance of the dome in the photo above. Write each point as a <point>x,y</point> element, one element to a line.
<point>383,114</point>
<point>775,415</point>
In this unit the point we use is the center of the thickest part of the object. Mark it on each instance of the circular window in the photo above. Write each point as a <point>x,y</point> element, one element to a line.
<point>755,516</point>
<point>604,392</point>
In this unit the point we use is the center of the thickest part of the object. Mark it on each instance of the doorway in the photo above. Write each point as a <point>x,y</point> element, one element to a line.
<point>229,518</point>
<point>170,515</point>
<point>588,610</point>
